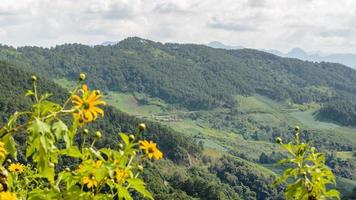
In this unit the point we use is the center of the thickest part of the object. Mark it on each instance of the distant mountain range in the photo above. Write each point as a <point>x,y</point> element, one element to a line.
<point>108,43</point>
<point>347,59</point>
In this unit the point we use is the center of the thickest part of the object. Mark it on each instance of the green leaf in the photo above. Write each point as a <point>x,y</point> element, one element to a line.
<point>123,193</point>
<point>289,147</point>
<point>101,173</point>
<point>12,120</point>
<point>138,185</point>
<point>46,107</point>
<point>10,145</point>
<point>29,93</point>
<point>73,151</point>
<point>333,193</point>
<point>96,154</point>
<point>44,143</point>
<point>103,197</point>
<point>39,126</point>
<point>69,135</point>
<point>44,168</point>
<point>45,96</point>
<point>60,129</point>
<point>125,138</point>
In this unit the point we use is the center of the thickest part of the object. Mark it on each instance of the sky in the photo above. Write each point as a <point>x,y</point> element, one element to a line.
<point>314,25</point>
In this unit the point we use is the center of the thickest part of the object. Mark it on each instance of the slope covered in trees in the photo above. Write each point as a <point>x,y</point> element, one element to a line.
<point>204,180</point>
<point>196,76</point>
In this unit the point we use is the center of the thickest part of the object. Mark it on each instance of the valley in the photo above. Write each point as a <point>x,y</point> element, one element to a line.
<point>244,141</point>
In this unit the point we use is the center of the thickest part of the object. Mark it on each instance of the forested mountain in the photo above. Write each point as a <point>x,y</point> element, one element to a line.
<point>196,76</point>
<point>172,178</point>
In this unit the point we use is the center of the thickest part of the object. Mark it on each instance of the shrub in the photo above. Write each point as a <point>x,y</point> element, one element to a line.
<point>307,176</point>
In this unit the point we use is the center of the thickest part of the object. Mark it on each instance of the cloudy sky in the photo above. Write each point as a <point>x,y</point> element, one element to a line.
<point>314,25</point>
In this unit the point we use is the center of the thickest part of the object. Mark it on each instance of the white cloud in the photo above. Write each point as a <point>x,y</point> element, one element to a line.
<point>279,24</point>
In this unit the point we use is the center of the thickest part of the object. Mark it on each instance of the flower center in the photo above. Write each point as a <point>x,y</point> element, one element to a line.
<point>86,105</point>
<point>151,150</point>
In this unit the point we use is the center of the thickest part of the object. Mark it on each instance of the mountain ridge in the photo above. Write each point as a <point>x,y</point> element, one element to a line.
<point>204,77</point>
<point>347,59</point>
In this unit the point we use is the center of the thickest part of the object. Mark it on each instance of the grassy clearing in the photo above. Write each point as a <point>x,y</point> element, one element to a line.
<point>344,154</point>
<point>128,103</point>
<point>251,104</point>
<point>275,113</point>
<point>65,83</point>
<point>307,118</point>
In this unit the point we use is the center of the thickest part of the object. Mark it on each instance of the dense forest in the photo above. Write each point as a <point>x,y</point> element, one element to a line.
<point>197,76</point>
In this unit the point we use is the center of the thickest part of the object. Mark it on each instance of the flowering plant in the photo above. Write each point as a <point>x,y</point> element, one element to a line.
<point>103,173</point>
<point>307,176</point>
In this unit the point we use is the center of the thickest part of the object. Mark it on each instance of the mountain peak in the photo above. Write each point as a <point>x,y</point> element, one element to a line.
<point>219,45</point>
<point>297,52</point>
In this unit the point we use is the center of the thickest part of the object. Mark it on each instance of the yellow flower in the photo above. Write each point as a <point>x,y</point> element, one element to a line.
<point>2,150</point>
<point>98,164</point>
<point>151,149</point>
<point>89,181</point>
<point>80,169</point>
<point>7,196</point>
<point>16,168</point>
<point>121,175</point>
<point>87,105</point>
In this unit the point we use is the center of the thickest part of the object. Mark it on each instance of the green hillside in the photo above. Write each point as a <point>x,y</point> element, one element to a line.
<point>196,76</point>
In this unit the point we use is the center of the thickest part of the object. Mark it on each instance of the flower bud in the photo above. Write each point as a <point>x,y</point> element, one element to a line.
<point>312,149</point>
<point>121,146</point>
<point>67,169</point>
<point>33,78</point>
<point>132,137</point>
<point>140,168</point>
<point>142,127</point>
<point>97,134</point>
<point>296,128</point>
<point>279,140</point>
<point>85,132</point>
<point>51,164</point>
<point>82,77</point>
<point>97,92</point>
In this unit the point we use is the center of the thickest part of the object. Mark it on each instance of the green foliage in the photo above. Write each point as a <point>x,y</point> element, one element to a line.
<point>251,184</point>
<point>307,176</point>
